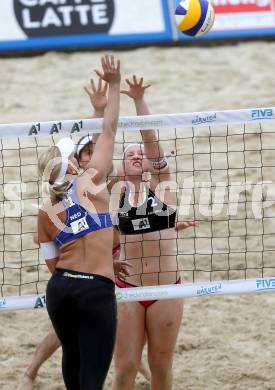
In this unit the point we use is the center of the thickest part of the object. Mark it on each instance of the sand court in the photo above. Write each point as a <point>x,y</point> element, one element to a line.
<point>225,342</point>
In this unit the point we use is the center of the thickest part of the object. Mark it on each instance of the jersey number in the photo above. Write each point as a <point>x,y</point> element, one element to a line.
<point>153,202</point>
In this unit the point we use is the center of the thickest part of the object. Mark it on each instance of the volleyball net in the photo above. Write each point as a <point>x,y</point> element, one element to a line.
<point>223,168</point>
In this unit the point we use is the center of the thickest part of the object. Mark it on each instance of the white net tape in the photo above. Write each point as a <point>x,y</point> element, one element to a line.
<point>156,292</point>
<point>196,119</point>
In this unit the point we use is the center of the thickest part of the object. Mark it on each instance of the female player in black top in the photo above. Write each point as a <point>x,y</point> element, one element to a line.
<point>147,225</point>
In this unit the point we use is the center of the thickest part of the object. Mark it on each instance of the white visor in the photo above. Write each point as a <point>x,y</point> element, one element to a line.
<point>66,147</point>
<point>85,141</point>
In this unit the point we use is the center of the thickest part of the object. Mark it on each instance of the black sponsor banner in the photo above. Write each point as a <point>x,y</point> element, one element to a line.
<point>44,18</point>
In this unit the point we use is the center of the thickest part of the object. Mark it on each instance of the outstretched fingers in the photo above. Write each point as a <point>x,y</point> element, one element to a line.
<point>99,74</point>
<point>93,85</point>
<point>91,88</point>
<point>147,86</point>
<point>87,90</point>
<point>185,224</point>
<point>99,84</point>
<point>105,87</point>
<point>112,61</point>
<point>129,83</point>
<point>108,63</point>
<point>118,65</point>
<point>101,87</point>
<point>110,69</point>
<point>121,267</point>
<point>137,83</point>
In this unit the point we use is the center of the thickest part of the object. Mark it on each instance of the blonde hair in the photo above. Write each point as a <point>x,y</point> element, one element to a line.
<point>49,166</point>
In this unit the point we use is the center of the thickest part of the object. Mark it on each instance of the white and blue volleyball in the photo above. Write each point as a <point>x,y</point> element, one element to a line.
<point>195,17</point>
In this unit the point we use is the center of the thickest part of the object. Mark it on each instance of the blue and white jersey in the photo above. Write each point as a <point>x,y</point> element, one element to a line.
<point>79,221</point>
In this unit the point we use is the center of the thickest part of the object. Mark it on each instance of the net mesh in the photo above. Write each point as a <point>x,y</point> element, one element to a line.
<point>224,176</point>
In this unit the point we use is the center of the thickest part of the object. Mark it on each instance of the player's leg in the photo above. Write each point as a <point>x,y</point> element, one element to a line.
<point>144,367</point>
<point>163,320</point>
<point>63,312</point>
<point>129,344</point>
<point>97,332</point>
<point>49,344</point>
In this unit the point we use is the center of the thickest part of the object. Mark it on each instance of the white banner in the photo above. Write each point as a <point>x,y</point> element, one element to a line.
<point>23,19</point>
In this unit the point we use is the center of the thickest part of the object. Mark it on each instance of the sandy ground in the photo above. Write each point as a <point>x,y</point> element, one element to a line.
<point>224,342</point>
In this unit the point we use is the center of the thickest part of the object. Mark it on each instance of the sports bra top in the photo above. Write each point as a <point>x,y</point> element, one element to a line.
<point>153,215</point>
<point>79,221</point>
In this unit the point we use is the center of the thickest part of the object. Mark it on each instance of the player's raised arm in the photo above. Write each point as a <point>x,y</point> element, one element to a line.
<point>152,147</point>
<point>98,99</point>
<point>102,158</point>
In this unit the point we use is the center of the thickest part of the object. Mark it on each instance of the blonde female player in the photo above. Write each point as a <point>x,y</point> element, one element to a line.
<point>147,227</point>
<point>80,294</point>
<point>84,149</point>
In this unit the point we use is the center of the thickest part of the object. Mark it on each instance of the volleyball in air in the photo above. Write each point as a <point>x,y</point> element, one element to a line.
<point>195,17</point>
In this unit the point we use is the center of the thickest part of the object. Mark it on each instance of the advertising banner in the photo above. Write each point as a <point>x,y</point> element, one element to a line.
<point>50,24</point>
<point>41,25</point>
<point>241,18</point>
<point>243,14</point>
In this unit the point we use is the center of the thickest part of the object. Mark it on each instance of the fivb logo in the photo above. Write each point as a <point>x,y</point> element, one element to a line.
<point>265,284</point>
<point>264,113</point>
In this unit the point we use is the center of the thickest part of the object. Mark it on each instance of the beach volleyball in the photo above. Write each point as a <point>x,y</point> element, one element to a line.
<point>194,17</point>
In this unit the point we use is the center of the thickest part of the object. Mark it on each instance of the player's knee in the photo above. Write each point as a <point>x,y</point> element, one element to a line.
<point>160,361</point>
<point>126,369</point>
<point>161,371</point>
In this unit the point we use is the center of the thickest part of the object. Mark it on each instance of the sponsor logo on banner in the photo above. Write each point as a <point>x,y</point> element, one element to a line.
<point>55,128</point>
<point>262,113</point>
<point>140,295</point>
<point>140,123</point>
<point>210,290</point>
<point>40,302</point>
<point>3,303</point>
<point>265,284</point>
<point>243,14</point>
<point>45,18</point>
<point>233,6</point>
<point>200,120</point>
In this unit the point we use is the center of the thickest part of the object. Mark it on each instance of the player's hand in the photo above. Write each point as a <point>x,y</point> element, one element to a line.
<point>97,95</point>
<point>121,267</point>
<point>181,225</point>
<point>136,88</point>
<point>110,70</point>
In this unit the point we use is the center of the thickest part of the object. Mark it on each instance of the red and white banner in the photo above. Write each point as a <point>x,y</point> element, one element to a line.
<point>244,14</point>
